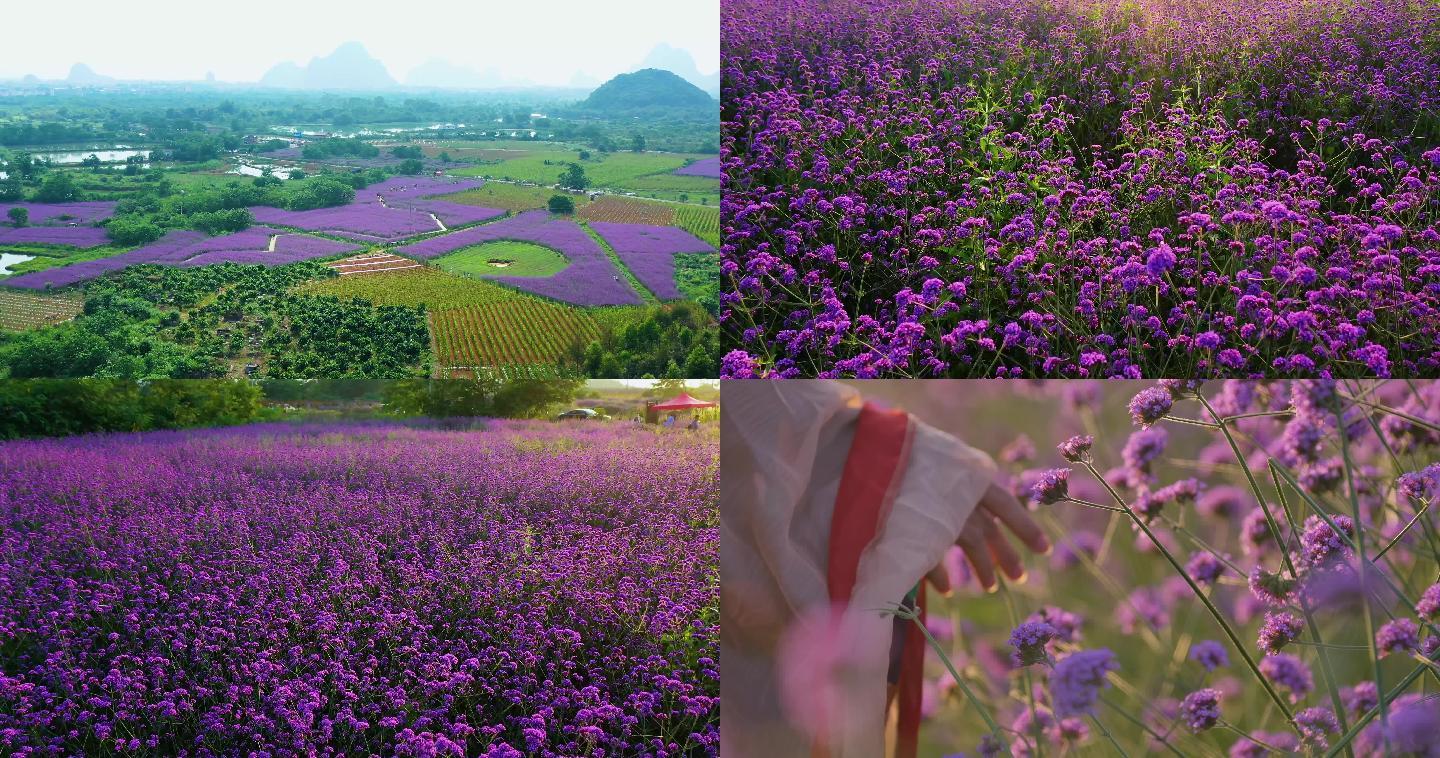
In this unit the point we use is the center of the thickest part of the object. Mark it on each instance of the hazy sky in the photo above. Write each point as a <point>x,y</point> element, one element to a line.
<point>545,41</point>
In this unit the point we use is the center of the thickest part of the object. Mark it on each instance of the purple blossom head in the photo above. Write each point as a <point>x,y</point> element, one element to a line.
<point>1273,589</point>
<point>1429,604</point>
<point>1066,624</point>
<point>1204,567</point>
<point>1052,486</point>
<point>1181,388</point>
<point>1316,724</point>
<point>1209,654</point>
<point>1076,680</point>
<point>1279,630</point>
<point>1412,724</point>
<point>1143,447</point>
<point>1399,635</point>
<point>1289,673</point>
<point>1160,260</point>
<point>1360,698</point>
<point>1150,405</point>
<point>1029,640</point>
<point>1077,448</point>
<point>1200,710</point>
<point>1320,544</point>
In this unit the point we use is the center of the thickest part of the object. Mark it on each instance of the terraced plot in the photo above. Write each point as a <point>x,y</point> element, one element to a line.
<point>371,263</point>
<point>628,210</point>
<point>701,221</point>
<point>517,332</point>
<point>24,310</point>
<point>513,197</point>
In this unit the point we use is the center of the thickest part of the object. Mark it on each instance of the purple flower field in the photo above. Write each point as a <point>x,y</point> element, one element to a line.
<point>187,248</point>
<point>707,167</point>
<point>590,279</point>
<point>50,214</point>
<point>1081,188</point>
<point>1247,564</point>
<point>386,211</point>
<point>73,236</point>
<point>649,252</point>
<point>530,589</point>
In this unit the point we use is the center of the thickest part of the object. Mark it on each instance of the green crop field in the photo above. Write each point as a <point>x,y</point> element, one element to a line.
<point>700,221</point>
<point>512,197</point>
<point>523,331</point>
<point>647,173</point>
<point>430,287</point>
<point>521,259</point>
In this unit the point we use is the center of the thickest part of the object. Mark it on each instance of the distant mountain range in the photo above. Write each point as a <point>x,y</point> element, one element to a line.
<point>351,67</point>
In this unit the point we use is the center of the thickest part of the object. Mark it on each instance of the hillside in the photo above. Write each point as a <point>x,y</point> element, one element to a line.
<point>648,89</point>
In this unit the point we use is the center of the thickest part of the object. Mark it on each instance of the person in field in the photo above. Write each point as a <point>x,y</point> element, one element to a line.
<point>834,512</point>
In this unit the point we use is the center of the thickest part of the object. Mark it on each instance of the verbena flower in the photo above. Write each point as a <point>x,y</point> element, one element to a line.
<point>1205,568</point>
<point>1200,709</point>
<point>1076,680</point>
<point>1077,448</point>
<point>1279,630</point>
<point>1399,635</point>
<point>1052,487</point>
<point>1429,604</point>
<point>1029,640</point>
<point>1150,405</point>
<point>1316,723</point>
<point>1289,673</point>
<point>1209,654</point>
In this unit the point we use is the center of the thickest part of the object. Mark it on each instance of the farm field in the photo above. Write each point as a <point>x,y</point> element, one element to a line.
<point>23,310</point>
<point>628,210</point>
<point>487,587</point>
<point>648,174</point>
<point>473,322</point>
<point>508,257</point>
<point>701,222</point>
<point>1086,188</point>
<point>514,197</point>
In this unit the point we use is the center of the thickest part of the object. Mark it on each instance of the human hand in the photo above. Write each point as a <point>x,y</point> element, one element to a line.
<point>985,545</point>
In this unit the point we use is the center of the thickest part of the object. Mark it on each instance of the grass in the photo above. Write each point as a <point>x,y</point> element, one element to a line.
<point>525,259</point>
<point>52,256</point>
<point>511,197</point>
<point>642,173</point>
<point>700,221</point>
<point>697,276</point>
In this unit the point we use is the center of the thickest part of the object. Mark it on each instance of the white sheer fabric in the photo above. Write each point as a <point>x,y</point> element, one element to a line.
<point>783,449</point>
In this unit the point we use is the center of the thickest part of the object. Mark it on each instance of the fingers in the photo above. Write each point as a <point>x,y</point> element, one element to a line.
<point>940,579</point>
<point>1003,552</point>
<point>972,541</point>
<point>1005,507</point>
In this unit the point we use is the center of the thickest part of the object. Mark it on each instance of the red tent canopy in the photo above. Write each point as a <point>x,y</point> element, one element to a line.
<point>682,402</point>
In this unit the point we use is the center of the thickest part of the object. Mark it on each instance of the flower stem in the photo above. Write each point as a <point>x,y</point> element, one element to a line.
<point>1204,598</point>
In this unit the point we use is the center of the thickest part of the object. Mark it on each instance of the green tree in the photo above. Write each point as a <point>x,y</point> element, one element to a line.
<point>637,143</point>
<point>133,230</point>
<point>410,166</point>
<point>58,187</point>
<point>561,204</point>
<point>574,177</point>
<point>18,216</point>
<point>92,162</point>
<point>11,188</point>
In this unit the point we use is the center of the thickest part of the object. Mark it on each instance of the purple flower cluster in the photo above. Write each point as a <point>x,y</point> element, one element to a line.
<point>590,279</point>
<point>649,252</point>
<point>1201,709</point>
<point>72,236</point>
<point>1051,487</point>
<point>381,588</point>
<point>186,248</point>
<point>394,209</point>
<point>1029,640</point>
<point>1076,680</point>
<point>1200,489</point>
<point>63,214</point>
<point>707,167</point>
<point>1080,189</point>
